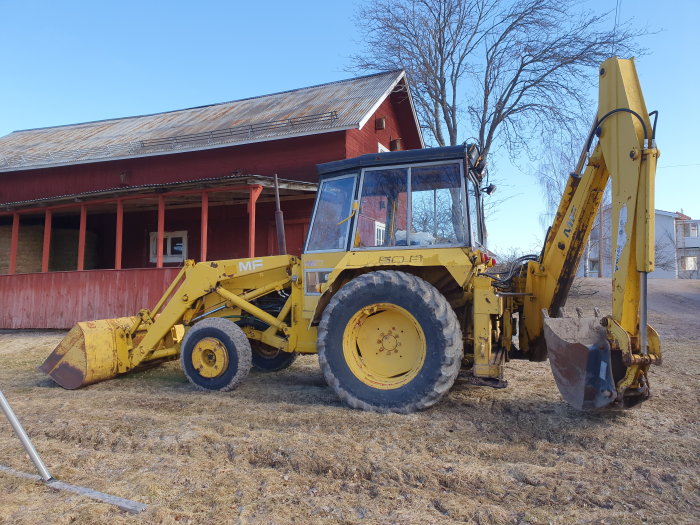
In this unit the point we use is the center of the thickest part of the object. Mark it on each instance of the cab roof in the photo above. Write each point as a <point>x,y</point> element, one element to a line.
<point>371,160</point>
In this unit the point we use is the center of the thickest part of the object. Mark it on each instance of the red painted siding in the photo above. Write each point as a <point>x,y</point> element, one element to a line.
<point>293,159</point>
<point>227,232</point>
<point>365,140</point>
<point>61,299</point>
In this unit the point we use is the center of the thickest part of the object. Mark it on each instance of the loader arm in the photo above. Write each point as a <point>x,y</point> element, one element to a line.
<point>97,350</point>
<point>627,155</point>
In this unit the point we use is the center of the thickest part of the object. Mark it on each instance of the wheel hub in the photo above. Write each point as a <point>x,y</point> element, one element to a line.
<point>209,357</point>
<point>384,346</point>
<point>389,342</point>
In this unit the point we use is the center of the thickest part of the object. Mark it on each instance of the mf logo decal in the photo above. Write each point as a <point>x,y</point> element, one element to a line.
<point>570,222</point>
<point>250,265</point>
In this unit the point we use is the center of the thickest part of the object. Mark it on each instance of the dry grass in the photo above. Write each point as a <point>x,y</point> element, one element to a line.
<point>281,449</point>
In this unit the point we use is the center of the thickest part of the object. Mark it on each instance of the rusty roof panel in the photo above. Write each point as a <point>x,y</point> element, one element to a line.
<point>326,107</point>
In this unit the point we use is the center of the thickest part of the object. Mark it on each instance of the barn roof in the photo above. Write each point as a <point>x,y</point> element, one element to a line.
<point>335,106</point>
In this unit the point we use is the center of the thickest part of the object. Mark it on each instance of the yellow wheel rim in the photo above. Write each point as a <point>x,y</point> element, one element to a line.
<point>384,346</point>
<point>209,357</point>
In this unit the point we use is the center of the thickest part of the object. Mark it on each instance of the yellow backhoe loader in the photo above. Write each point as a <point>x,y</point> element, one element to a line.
<point>396,291</point>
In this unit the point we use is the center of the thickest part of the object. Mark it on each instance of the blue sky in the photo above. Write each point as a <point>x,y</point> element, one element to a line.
<point>66,62</point>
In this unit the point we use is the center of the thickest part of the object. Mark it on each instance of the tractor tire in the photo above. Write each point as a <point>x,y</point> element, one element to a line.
<point>265,357</point>
<point>389,341</point>
<point>215,355</point>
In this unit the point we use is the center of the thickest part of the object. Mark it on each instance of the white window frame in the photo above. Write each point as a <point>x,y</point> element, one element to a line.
<point>167,238</point>
<point>381,148</point>
<point>692,230</point>
<point>379,233</point>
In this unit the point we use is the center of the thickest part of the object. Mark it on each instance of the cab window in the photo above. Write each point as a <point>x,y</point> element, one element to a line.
<point>437,206</point>
<point>383,213</point>
<point>329,229</point>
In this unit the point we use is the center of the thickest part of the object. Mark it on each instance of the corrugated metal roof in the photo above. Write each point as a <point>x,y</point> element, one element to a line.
<point>317,109</point>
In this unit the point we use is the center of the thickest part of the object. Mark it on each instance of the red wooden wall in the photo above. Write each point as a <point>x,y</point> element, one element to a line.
<point>227,233</point>
<point>294,159</point>
<point>361,141</point>
<point>47,300</point>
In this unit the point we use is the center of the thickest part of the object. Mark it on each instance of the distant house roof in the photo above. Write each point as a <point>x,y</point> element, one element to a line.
<point>335,106</point>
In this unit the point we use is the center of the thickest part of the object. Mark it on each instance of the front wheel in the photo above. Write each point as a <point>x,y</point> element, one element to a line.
<point>215,355</point>
<point>389,341</point>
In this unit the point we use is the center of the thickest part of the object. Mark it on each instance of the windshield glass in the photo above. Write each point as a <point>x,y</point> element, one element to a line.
<point>328,231</point>
<point>437,205</point>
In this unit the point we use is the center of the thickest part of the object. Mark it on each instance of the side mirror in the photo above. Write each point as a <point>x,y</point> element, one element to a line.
<point>488,190</point>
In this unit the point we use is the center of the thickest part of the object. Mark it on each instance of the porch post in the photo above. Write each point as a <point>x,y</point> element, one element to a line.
<point>119,235</point>
<point>81,237</point>
<point>254,194</point>
<point>161,231</point>
<point>14,241</point>
<point>46,251</point>
<point>205,227</point>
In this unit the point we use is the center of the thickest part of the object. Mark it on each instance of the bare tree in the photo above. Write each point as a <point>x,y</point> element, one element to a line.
<point>515,69</point>
<point>665,252</point>
<point>436,42</point>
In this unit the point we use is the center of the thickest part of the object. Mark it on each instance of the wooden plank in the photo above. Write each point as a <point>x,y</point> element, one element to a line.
<point>46,250</point>
<point>81,237</point>
<point>205,227</point>
<point>254,194</point>
<point>14,242</point>
<point>161,231</point>
<point>119,234</point>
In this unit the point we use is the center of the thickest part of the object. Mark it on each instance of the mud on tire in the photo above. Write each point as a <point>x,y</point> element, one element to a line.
<point>227,338</point>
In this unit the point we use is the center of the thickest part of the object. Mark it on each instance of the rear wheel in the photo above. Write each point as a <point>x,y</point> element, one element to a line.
<point>267,358</point>
<point>389,341</point>
<point>215,355</point>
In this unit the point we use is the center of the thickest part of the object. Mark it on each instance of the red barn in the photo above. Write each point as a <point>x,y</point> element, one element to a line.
<point>95,218</point>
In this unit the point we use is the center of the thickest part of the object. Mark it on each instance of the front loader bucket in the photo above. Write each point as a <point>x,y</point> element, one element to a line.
<point>89,352</point>
<point>579,354</point>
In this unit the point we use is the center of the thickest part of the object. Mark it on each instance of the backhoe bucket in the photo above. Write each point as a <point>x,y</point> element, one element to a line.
<point>89,352</point>
<point>579,354</point>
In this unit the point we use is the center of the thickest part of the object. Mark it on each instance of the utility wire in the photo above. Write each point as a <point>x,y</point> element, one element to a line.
<point>617,17</point>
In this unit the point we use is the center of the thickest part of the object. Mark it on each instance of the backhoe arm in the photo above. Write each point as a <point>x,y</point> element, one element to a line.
<point>627,155</point>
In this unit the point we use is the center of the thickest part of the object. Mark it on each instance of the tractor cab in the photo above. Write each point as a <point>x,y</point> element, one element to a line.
<point>399,200</point>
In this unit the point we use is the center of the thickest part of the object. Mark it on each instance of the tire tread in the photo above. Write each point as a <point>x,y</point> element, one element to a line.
<point>443,313</point>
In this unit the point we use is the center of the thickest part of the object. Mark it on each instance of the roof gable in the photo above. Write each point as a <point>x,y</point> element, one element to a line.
<point>324,108</point>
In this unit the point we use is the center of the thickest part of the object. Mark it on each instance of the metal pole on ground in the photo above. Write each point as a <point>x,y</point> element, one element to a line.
<point>134,507</point>
<point>24,438</point>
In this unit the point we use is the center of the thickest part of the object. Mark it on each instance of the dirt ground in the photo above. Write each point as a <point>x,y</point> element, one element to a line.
<point>281,449</point>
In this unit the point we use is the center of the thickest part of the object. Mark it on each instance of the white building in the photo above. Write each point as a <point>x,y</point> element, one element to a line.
<point>665,252</point>
<point>688,247</point>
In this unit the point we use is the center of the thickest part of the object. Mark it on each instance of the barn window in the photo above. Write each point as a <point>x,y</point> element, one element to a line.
<point>174,246</point>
